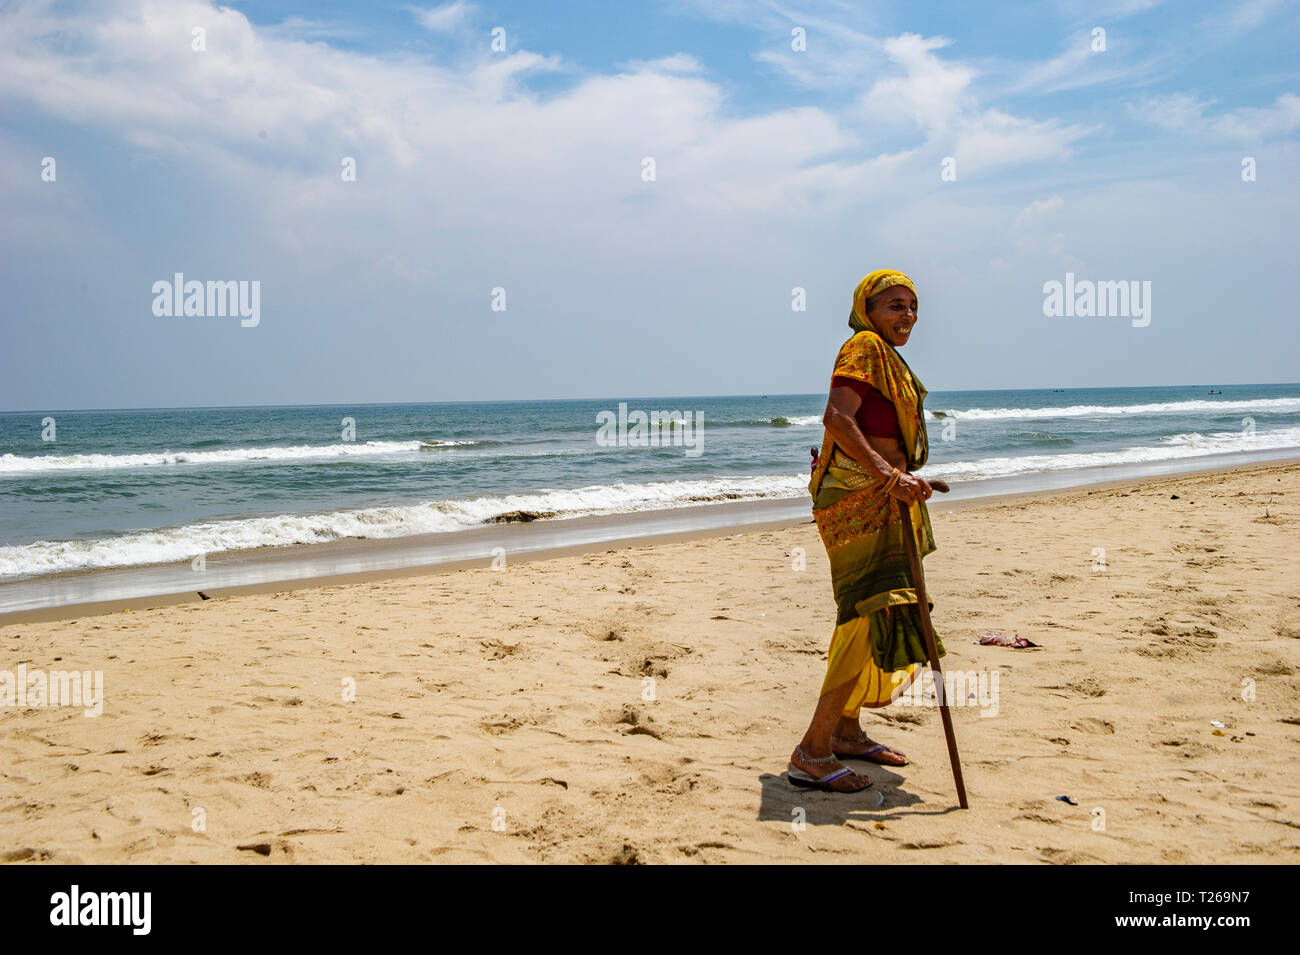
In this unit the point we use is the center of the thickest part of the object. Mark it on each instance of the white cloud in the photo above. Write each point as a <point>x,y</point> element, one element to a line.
<point>1175,111</point>
<point>838,54</point>
<point>1255,123</point>
<point>836,57</point>
<point>445,18</point>
<point>994,138</point>
<point>1078,66</point>
<point>935,94</point>
<point>932,92</point>
<point>272,116</point>
<point>303,28</point>
<point>1107,9</point>
<point>680,63</point>
<point>1036,210</point>
<point>1186,112</point>
<point>1244,17</point>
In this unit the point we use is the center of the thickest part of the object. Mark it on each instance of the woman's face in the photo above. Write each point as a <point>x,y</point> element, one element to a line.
<point>894,314</point>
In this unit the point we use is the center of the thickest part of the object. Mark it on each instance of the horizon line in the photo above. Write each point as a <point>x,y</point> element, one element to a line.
<point>502,401</point>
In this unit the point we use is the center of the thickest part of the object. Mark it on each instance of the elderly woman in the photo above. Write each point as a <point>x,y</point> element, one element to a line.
<point>875,438</point>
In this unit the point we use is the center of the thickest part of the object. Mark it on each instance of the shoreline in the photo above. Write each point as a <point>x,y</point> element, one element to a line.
<point>422,555</point>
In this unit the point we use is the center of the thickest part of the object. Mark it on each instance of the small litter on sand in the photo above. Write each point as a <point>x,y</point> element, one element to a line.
<point>1068,799</point>
<point>994,638</point>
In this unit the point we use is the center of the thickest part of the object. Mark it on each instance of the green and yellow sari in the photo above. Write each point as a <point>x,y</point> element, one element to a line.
<point>878,642</point>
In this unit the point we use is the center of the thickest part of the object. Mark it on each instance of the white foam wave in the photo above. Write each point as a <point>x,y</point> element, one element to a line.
<point>1157,408</point>
<point>1187,446</point>
<point>185,543</point>
<point>14,464</point>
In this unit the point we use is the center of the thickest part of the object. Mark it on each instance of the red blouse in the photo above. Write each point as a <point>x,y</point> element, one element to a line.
<point>876,415</point>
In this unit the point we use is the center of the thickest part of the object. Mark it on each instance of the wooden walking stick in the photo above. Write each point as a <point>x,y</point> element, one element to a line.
<point>932,645</point>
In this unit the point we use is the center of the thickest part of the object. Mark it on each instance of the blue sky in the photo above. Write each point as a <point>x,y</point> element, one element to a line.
<point>522,169</point>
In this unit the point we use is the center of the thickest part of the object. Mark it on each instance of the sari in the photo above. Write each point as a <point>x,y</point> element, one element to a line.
<point>878,642</point>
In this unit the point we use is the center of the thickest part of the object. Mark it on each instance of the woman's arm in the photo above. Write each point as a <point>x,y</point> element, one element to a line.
<point>841,423</point>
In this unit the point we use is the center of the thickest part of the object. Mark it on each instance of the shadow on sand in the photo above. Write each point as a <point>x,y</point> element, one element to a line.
<point>882,802</point>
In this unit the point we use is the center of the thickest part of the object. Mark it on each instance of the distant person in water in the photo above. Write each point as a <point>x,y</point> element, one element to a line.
<point>814,459</point>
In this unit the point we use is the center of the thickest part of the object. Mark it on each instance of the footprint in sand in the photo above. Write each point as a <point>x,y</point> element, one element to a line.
<point>1091,724</point>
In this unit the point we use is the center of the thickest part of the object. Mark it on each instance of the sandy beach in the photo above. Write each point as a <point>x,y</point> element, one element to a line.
<point>502,715</point>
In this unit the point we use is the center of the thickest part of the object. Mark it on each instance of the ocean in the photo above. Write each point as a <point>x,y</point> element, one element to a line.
<point>151,486</point>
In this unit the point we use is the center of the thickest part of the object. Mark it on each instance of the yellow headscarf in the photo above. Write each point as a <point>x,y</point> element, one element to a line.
<point>874,283</point>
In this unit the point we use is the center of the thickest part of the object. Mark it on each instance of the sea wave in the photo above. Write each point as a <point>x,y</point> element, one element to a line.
<point>1039,438</point>
<point>1188,446</point>
<point>184,543</point>
<point>1290,405</point>
<point>778,421</point>
<point>15,464</point>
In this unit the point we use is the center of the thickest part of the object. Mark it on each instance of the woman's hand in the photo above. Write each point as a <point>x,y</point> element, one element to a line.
<point>911,488</point>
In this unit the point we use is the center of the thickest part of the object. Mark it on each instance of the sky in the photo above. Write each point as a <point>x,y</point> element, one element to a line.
<point>607,200</point>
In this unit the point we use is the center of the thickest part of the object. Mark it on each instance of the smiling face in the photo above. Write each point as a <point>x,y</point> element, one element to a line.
<point>892,314</point>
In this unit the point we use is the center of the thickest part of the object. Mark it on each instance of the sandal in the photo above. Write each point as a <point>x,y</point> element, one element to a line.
<point>800,778</point>
<point>867,754</point>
